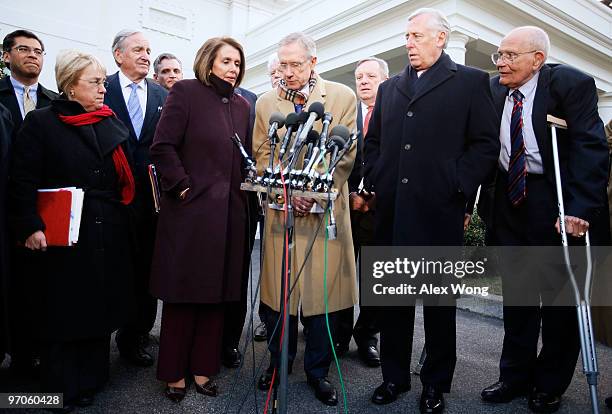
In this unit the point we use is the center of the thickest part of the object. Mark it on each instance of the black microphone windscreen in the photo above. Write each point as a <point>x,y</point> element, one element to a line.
<point>341,131</point>
<point>317,108</point>
<point>278,118</point>
<point>302,117</point>
<point>292,119</point>
<point>313,136</point>
<point>337,141</point>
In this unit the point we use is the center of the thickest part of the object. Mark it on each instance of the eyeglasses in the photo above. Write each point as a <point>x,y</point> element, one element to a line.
<point>97,82</point>
<point>26,50</point>
<point>508,57</point>
<point>296,66</point>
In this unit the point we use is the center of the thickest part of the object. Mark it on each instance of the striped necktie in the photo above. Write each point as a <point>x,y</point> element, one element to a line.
<point>135,110</point>
<point>517,167</point>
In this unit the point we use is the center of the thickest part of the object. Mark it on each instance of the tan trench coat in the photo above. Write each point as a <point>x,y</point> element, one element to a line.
<point>341,284</point>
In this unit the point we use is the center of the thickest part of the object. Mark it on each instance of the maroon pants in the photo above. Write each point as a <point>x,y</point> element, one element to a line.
<point>190,341</point>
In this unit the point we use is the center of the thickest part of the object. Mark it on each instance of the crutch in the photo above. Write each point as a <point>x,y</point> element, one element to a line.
<point>417,368</point>
<point>583,304</point>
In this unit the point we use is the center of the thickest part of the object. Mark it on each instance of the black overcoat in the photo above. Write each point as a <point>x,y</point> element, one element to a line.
<point>430,144</point>
<point>81,291</point>
<point>201,241</point>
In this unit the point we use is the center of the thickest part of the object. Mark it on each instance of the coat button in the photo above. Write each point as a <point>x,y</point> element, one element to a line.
<point>404,181</point>
<point>96,172</point>
<point>224,100</point>
<point>409,114</point>
<point>407,147</point>
<point>99,220</point>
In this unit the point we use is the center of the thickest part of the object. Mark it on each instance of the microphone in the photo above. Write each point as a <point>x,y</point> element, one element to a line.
<point>250,163</point>
<point>340,131</point>
<point>302,118</point>
<point>315,112</point>
<point>291,121</point>
<point>327,119</point>
<point>277,120</point>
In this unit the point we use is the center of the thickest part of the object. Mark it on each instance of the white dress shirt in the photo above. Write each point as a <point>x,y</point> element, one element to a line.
<point>126,89</point>
<point>532,151</point>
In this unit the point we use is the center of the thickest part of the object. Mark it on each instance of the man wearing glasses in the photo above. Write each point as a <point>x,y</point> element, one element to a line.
<point>298,89</point>
<point>522,209</point>
<point>23,53</point>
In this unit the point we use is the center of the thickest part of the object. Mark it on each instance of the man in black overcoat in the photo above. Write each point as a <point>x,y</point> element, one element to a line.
<point>526,213</point>
<point>431,142</point>
<point>23,53</point>
<point>6,126</point>
<point>138,103</point>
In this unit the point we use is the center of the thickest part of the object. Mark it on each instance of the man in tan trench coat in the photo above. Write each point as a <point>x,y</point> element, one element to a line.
<point>300,87</point>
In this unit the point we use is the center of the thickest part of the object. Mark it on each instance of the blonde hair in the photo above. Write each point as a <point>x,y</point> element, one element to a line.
<point>69,66</point>
<point>202,66</point>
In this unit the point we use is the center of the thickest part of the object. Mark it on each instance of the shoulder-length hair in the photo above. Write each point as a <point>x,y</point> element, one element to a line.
<point>202,66</point>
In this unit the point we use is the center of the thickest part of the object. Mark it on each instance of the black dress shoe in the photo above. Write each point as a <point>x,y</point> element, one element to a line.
<point>231,357</point>
<point>175,394</point>
<point>85,399</point>
<point>324,390</point>
<point>208,388</point>
<point>432,400</point>
<point>137,355</point>
<point>369,355</point>
<point>609,402</point>
<point>387,392</point>
<point>543,402</point>
<point>261,333</point>
<point>501,392</point>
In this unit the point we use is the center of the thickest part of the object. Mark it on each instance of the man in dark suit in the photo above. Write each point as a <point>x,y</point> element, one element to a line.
<point>23,53</point>
<point>6,127</point>
<point>138,102</point>
<point>523,208</point>
<point>235,315</point>
<point>431,141</point>
<point>369,73</point>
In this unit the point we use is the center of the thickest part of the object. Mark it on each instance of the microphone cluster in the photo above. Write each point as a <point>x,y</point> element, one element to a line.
<point>322,150</point>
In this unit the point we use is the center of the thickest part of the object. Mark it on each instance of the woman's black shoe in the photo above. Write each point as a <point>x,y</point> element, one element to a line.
<point>175,394</point>
<point>208,388</point>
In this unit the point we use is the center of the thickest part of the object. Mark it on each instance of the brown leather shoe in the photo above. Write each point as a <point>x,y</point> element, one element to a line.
<point>175,394</point>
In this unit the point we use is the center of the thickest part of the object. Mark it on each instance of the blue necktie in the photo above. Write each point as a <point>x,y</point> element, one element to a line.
<point>517,167</point>
<point>298,107</point>
<point>135,110</point>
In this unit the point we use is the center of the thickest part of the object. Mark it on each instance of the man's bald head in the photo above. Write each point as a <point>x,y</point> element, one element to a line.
<point>521,54</point>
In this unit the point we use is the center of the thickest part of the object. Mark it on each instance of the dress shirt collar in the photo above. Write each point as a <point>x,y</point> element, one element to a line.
<point>528,88</point>
<point>20,87</point>
<point>124,81</point>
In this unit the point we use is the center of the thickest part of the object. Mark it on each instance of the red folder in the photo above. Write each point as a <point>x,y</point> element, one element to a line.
<point>54,208</point>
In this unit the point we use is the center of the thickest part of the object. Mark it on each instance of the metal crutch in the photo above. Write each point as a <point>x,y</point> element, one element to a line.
<point>417,368</point>
<point>583,305</point>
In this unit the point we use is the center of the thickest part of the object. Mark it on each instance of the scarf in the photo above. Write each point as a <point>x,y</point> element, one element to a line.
<point>122,168</point>
<point>293,95</point>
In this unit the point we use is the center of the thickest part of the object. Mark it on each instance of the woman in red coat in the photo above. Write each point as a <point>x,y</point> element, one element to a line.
<point>201,235</point>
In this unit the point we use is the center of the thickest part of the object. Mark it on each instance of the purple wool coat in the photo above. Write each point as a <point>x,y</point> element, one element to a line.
<point>201,243</point>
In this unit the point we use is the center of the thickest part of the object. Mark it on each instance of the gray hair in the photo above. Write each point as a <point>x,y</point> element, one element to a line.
<point>162,57</point>
<point>272,60</point>
<point>384,67</point>
<point>70,65</point>
<point>439,23</point>
<point>536,38</point>
<point>304,40</point>
<point>120,38</point>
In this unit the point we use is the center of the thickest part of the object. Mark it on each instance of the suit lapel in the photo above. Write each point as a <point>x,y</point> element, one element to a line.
<point>6,88</point>
<point>404,84</point>
<point>499,92</point>
<point>114,99</point>
<point>154,103</point>
<point>540,108</point>
<point>440,72</point>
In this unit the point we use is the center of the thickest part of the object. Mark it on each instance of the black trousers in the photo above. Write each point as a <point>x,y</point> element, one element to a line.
<point>366,328</point>
<point>142,319</point>
<point>318,353</point>
<point>74,367</point>
<point>396,336</point>
<point>532,224</point>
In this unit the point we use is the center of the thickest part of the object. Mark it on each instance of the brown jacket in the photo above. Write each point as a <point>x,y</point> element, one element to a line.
<point>341,284</point>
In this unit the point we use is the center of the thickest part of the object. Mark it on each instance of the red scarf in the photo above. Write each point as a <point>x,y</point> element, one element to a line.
<point>126,179</point>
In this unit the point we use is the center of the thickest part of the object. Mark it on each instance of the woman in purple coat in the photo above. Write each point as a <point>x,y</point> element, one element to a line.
<point>201,234</point>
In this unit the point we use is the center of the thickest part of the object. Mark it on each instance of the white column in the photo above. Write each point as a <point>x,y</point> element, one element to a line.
<point>456,46</point>
<point>605,107</point>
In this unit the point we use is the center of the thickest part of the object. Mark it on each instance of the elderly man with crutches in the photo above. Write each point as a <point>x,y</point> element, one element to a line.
<point>524,211</point>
